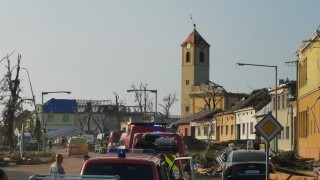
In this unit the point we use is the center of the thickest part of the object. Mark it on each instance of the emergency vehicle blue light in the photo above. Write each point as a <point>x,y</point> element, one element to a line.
<point>121,153</point>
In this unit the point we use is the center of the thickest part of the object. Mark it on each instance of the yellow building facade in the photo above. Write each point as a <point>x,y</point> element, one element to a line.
<point>308,100</point>
<point>226,126</point>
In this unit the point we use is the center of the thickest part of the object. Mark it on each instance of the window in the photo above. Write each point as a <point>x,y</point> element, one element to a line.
<point>227,129</point>
<point>274,103</point>
<point>278,102</point>
<point>251,127</point>
<point>221,130</point>
<point>188,57</point>
<point>65,118</point>
<point>303,124</point>
<point>201,57</point>
<point>243,128</point>
<point>283,101</point>
<point>199,131</point>
<point>206,131</point>
<point>187,82</point>
<point>187,108</point>
<point>231,129</point>
<point>302,78</point>
<point>287,132</point>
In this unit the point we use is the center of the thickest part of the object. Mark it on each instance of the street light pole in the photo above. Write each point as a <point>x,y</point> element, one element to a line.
<point>42,110</point>
<point>152,91</point>
<point>33,97</point>
<point>276,112</point>
<point>276,84</point>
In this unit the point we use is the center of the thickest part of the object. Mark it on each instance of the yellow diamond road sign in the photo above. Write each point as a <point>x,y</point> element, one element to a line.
<point>268,127</point>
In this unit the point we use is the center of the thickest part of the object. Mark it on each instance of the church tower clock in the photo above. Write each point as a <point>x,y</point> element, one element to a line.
<point>195,68</point>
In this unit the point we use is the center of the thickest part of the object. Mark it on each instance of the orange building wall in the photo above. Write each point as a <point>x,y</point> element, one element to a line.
<point>183,128</point>
<point>227,122</point>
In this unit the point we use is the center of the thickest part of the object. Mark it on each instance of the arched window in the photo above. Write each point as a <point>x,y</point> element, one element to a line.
<point>201,57</point>
<point>188,57</point>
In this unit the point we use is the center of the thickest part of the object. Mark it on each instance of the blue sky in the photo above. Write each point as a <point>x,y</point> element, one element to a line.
<point>95,48</point>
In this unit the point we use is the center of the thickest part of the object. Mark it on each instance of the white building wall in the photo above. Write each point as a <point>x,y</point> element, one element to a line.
<point>247,121</point>
<point>286,111</point>
<point>200,130</point>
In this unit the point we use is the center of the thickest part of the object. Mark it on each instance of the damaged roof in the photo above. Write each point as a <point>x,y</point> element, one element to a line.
<point>199,116</point>
<point>257,99</point>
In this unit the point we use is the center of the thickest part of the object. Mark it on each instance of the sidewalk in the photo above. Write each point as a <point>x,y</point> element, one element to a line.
<point>288,174</point>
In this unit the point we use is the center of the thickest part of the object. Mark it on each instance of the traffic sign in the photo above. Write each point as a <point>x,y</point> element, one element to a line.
<point>268,127</point>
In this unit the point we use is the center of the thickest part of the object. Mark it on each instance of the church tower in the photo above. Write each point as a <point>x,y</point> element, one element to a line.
<point>195,68</point>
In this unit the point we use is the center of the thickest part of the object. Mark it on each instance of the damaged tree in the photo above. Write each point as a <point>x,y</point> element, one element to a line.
<point>168,102</point>
<point>142,98</point>
<point>11,89</point>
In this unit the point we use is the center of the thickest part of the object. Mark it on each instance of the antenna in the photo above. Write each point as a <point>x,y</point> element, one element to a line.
<point>250,87</point>
<point>194,25</point>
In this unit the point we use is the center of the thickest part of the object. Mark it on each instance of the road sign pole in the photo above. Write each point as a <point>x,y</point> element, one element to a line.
<point>267,159</point>
<point>268,127</point>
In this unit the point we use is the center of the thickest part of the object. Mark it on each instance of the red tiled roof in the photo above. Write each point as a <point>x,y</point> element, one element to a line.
<point>195,39</point>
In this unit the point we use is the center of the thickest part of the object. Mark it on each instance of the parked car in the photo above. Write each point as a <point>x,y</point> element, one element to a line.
<point>246,164</point>
<point>77,145</point>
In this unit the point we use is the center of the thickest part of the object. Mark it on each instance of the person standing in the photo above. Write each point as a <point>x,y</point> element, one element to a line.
<point>56,167</point>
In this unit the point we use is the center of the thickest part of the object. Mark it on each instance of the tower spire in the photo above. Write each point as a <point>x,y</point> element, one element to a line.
<point>194,25</point>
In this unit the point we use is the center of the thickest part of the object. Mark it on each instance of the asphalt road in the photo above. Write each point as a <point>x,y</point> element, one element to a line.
<point>72,165</point>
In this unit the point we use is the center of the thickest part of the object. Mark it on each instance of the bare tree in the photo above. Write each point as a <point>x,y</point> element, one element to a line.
<point>12,87</point>
<point>211,94</point>
<point>98,115</point>
<point>142,98</point>
<point>168,102</point>
<point>83,115</point>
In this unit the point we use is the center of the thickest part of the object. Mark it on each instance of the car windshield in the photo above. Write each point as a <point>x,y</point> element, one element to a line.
<point>124,170</point>
<point>248,156</point>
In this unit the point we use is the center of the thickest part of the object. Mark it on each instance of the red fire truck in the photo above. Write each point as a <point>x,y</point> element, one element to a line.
<point>137,164</point>
<point>126,139</point>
